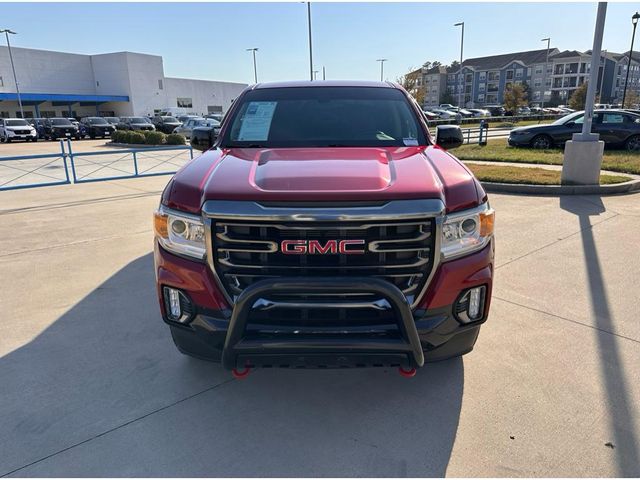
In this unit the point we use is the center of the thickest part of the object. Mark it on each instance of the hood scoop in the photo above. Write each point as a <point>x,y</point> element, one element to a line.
<point>322,170</point>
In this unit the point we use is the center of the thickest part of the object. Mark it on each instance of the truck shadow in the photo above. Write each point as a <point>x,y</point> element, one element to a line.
<point>103,392</point>
<point>612,371</point>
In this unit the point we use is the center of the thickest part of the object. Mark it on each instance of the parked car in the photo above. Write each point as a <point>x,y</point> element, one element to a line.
<point>524,111</point>
<point>430,115</point>
<point>81,128</point>
<point>617,128</point>
<point>446,106</point>
<point>17,129</point>
<point>184,118</point>
<point>113,121</point>
<point>496,110</point>
<point>464,113</point>
<point>215,116</point>
<point>479,112</point>
<point>446,114</point>
<point>97,127</point>
<point>186,127</point>
<point>165,124</point>
<point>38,124</point>
<point>320,253</point>
<point>55,128</point>
<point>135,123</point>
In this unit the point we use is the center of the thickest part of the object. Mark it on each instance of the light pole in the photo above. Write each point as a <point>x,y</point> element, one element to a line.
<point>6,31</point>
<point>310,48</point>
<point>381,60</point>
<point>634,21</point>
<point>461,24</point>
<point>255,68</point>
<point>546,67</point>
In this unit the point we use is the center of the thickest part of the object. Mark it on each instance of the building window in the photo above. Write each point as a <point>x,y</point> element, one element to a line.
<point>537,83</point>
<point>481,97</point>
<point>481,87</point>
<point>494,76</point>
<point>483,76</point>
<point>519,73</point>
<point>509,74</point>
<point>214,108</point>
<point>160,86</point>
<point>185,103</point>
<point>539,69</point>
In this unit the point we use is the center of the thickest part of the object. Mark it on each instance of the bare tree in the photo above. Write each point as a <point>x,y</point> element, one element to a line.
<point>412,83</point>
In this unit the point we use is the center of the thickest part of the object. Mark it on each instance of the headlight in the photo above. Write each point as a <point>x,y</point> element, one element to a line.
<point>467,231</point>
<point>180,232</point>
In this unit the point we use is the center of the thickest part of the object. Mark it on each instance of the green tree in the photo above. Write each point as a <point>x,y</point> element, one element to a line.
<point>514,98</point>
<point>579,97</point>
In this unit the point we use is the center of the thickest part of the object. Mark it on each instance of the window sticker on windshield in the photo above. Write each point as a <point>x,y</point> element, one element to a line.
<point>410,142</point>
<point>257,121</point>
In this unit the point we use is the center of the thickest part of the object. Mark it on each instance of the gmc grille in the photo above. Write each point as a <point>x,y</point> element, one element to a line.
<point>398,251</point>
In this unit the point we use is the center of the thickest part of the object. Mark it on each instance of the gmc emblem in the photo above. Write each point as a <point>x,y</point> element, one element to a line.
<point>314,247</point>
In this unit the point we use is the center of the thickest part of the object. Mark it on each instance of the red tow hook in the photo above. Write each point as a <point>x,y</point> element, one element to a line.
<point>407,373</point>
<point>240,374</point>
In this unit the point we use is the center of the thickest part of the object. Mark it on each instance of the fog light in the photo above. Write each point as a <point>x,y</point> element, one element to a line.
<point>177,305</point>
<point>470,307</point>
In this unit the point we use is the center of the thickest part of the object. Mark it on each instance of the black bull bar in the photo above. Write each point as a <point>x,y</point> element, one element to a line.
<point>320,350</point>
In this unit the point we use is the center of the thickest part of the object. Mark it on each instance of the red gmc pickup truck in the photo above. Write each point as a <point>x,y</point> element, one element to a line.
<point>324,227</point>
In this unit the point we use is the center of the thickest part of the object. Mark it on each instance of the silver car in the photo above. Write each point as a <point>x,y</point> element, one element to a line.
<point>186,128</point>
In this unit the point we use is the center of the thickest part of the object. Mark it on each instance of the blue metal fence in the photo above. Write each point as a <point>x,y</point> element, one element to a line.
<point>29,171</point>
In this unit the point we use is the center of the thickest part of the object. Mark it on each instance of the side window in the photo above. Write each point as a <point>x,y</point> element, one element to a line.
<point>580,120</point>
<point>613,118</point>
<point>631,119</point>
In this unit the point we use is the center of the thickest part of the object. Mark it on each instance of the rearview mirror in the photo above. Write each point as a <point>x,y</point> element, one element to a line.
<point>203,138</point>
<point>449,136</point>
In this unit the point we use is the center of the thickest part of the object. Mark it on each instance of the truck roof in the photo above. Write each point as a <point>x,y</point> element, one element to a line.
<point>324,83</point>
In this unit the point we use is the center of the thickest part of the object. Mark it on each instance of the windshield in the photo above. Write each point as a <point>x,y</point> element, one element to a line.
<point>60,121</point>
<point>98,121</point>
<point>324,117</point>
<point>16,123</point>
<point>112,119</point>
<point>138,120</point>
<point>169,119</point>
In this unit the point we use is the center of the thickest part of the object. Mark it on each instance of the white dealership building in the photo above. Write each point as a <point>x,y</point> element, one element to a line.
<point>110,84</point>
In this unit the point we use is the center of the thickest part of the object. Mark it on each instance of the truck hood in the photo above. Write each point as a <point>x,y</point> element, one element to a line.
<point>323,174</point>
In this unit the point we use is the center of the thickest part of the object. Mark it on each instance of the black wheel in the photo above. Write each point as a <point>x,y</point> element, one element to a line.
<point>633,143</point>
<point>542,142</point>
<point>7,139</point>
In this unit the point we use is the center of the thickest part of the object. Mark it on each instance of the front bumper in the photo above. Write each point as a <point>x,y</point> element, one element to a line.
<point>21,136</point>
<point>223,333</point>
<point>520,140</point>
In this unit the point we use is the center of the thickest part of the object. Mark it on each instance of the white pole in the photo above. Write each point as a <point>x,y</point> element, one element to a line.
<point>595,65</point>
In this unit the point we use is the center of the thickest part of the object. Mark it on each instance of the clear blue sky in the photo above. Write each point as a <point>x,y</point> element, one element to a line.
<point>208,40</point>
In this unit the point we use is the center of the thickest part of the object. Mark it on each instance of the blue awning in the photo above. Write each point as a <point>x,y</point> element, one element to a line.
<point>62,97</point>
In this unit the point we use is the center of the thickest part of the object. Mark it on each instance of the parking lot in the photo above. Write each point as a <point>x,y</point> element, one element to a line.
<point>93,386</point>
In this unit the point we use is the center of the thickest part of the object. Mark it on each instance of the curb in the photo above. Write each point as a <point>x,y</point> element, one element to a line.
<point>526,189</point>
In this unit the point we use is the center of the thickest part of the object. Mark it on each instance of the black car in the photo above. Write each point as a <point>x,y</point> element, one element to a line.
<point>38,124</point>
<point>496,110</point>
<point>55,128</point>
<point>135,123</point>
<point>165,124</point>
<point>113,121</point>
<point>617,128</point>
<point>97,127</point>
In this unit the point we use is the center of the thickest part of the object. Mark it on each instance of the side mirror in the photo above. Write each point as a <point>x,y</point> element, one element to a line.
<point>449,136</point>
<point>203,138</point>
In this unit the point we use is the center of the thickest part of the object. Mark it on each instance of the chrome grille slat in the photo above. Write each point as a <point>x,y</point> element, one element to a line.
<point>400,251</point>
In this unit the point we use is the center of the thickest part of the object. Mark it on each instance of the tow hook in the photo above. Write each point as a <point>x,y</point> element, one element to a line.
<point>407,373</point>
<point>241,374</point>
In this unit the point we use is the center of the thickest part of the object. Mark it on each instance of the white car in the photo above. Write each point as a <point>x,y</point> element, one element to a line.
<point>448,114</point>
<point>186,128</point>
<point>17,129</point>
<point>480,112</point>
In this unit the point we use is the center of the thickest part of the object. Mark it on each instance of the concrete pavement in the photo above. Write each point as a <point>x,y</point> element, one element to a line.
<point>93,386</point>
